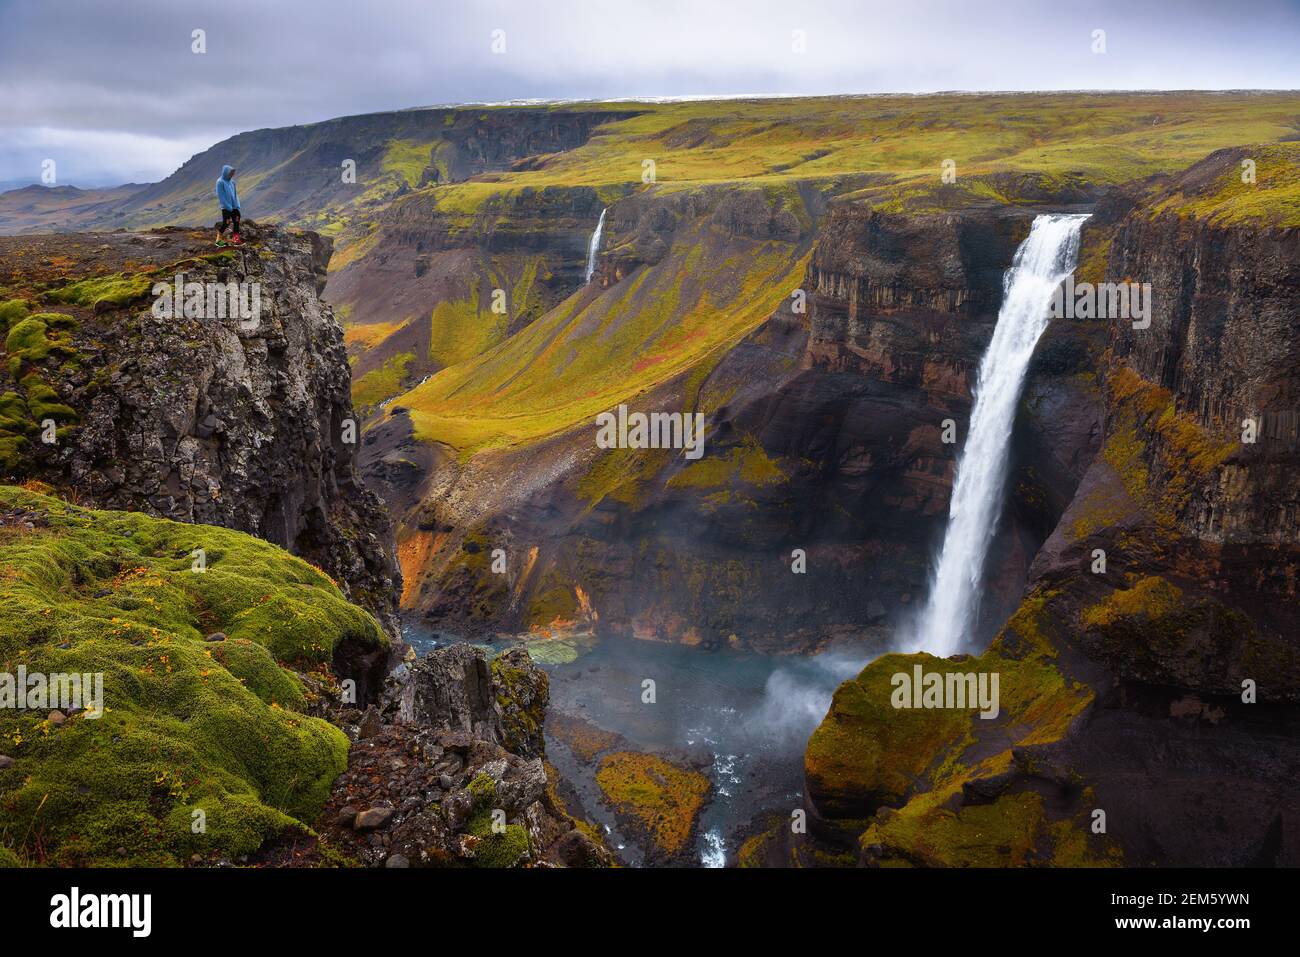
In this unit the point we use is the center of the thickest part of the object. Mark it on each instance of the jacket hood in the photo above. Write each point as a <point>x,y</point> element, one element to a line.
<point>226,171</point>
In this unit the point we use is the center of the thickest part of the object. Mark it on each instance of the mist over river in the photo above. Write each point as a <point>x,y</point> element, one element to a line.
<point>742,719</point>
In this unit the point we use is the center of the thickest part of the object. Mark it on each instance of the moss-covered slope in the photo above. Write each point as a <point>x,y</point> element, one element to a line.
<point>189,724</point>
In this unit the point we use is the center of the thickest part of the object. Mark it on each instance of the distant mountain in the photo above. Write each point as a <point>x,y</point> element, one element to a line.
<point>45,209</point>
<point>301,175</point>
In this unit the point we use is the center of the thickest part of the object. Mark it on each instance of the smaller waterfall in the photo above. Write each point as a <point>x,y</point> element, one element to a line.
<point>594,247</point>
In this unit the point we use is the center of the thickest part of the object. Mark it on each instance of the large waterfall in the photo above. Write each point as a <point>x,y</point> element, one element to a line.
<point>1041,263</point>
<point>594,247</point>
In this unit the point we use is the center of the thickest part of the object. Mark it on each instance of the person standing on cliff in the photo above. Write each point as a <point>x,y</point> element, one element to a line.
<point>228,197</point>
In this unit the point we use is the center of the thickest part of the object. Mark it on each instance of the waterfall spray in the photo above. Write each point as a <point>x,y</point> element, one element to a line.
<point>594,246</point>
<point>1041,263</point>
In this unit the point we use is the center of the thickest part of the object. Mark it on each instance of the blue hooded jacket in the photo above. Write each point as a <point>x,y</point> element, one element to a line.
<point>226,194</point>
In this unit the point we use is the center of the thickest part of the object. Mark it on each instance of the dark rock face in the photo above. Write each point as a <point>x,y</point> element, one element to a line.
<point>1225,339</point>
<point>451,691</point>
<point>1058,427</point>
<point>909,299</point>
<point>523,692</point>
<point>212,421</point>
<point>641,226</point>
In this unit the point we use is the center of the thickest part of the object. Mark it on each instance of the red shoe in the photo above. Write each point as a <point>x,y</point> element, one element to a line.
<point>235,240</point>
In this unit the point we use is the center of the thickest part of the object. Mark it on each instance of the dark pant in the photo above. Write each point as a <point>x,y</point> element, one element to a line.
<point>227,215</point>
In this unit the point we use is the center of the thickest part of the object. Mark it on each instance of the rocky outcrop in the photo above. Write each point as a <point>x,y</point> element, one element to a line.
<point>442,774</point>
<point>222,421</point>
<point>457,689</point>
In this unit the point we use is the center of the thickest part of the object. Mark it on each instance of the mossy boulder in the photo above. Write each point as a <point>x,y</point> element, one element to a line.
<point>522,692</point>
<point>12,311</point>
<point>496,846</point>
<point>866,754</point>
<point>15,426</point>
<point>899,779</point>
<point>188,725</point>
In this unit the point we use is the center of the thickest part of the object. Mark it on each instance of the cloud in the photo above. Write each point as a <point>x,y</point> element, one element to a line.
<point>97,157</point>
<point>112,68</point>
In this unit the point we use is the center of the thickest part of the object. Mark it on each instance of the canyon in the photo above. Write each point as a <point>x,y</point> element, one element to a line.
<point>824,303</point>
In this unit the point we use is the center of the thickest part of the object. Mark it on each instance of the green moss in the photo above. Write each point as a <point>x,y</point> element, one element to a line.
<point>36,338</point>
<point>1151,597</point>
<point>552,603</point>
<point>522,695</point>
<point>598,349</point>
<point>753,852</point>
<point>483,789</point>
<point>116,290</point>
<point>381,384</point>
<point>15,425</point>
<point>620,474</point>
<point>1102,508</point>
<point>1273,199</point>
<point>497,849</point>
<point>13,449</point>
<point>1094,256</point>
<point>663,798</point>
<point>27,341</point>
<point>1159,451</point>
<point>57,320</point>
<point>256,669</point>
<point>188,724</point>
<point>1000,834</point>
<point>1008,147</point>
<point>746,463</point>
<point>866,755</point>
<point>494,848</point>
<point>14,416</point>
<point>43,402</point>
<point>23,416</point>
<point>407,160</point>
<point>12,311</point>
<point>459,332</point>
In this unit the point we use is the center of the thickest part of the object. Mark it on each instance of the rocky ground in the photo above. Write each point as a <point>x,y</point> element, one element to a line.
<point>449,770</point>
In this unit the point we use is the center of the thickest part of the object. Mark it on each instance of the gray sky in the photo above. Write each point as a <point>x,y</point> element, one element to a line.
<point>113,93</point>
